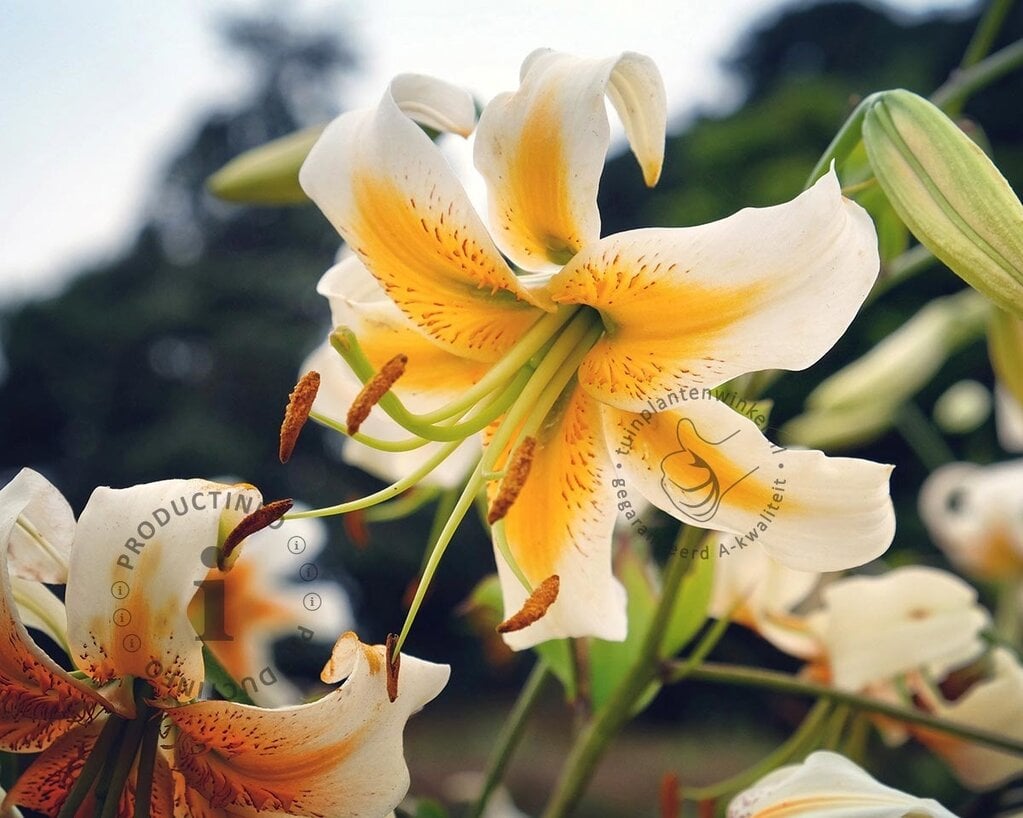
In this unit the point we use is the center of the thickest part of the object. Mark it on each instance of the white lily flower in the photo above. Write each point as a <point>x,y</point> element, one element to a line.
<point>761,593</point>
<point>875,628</point>
<point>828,785</point>
<point>994,704</point>
<point>975,515</point>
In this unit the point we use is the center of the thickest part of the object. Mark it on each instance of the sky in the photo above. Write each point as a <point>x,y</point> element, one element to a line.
<point>96,96</point>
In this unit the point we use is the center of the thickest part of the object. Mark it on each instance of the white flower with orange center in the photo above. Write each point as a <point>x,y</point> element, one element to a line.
<point>125,727</point>
<point>556,342</point>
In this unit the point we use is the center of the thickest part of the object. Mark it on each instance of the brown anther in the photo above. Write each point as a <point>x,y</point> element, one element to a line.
<point>393,666</point>
<point>374,390</point>
<point>256,521</point>
<point>513,481</point>
<point>535,607</point>
<point>300,403</point>
<point>670,796</point>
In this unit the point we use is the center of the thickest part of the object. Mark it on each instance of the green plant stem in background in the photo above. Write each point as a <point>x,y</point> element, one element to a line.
<point>951,96</point>
<point>1007,614</point>
<point>591,744</point>
<point>915,260</point>
<point>512,730</point>
<point>987,31</point>
<point>783,683</point>
<point>929,446</point>
<point>807,736</point>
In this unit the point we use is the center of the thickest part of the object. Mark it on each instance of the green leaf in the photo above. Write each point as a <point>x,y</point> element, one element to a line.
<point>609,662</point>
<point>693,601</point>
<point>557,653</point>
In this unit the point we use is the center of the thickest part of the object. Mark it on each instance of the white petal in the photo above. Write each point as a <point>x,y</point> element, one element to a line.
<point>692,307</point>
<point>41,539</point>
<point>712,467</point>
<point>828,785</point>
<point>877,627</point>
<point>996,705</point>
<point>542,149</point>
<point>434,103</point>
<point>139,555</point>
<point>340,755</point>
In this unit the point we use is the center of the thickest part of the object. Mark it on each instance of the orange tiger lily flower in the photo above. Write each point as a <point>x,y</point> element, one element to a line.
<point>126,725</point>
<point>590,339</point>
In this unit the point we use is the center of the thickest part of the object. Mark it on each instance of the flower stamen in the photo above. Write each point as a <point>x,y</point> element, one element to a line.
<point>300,403</point>
<point>514,480</point>
<point>534,608</point>
<point>256,521</point>
<point>393,666</point>
<point>378,386</point>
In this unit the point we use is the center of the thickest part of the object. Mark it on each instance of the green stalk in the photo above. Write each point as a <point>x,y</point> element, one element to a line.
<point>512,731</point>
<point>593,741</point>
<point>784,683</point>
<point>963,84</point>
<point>929,446</point>
<point>94,765</point>
<point>799,743</point>
<point>147,767</point>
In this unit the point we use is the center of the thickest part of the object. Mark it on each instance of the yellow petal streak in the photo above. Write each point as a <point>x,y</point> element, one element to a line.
<point>457,291</point>
<point>662,331</point>
<point>563,504</point>
<point>536,213</point>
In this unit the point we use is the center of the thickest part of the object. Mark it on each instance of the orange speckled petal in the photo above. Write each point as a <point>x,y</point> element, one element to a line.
<point>341,755</point>
<point>138,556</point>
<point>561,523</point>
<point>693,307</point>
<point>386,188</point>
<point>39,701</point>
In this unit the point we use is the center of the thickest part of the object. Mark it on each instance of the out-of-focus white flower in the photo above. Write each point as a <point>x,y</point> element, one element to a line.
<point>975,515</point>
<point>761,593</point>
<point>874,628</point>
<point>271,592</point>
<point>1008,419</point>
<point>828,785</point>
<point>994,704</point>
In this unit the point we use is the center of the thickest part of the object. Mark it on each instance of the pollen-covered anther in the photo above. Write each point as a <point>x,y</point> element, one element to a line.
<point>393,666</point>
<point>535,607</point>
<point>513,481</point>
<point>374,390</point>
<point>300,403</point>
<point>256,521</point>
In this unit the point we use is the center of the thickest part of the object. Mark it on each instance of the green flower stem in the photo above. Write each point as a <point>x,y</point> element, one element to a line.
<point>904,266</point>
<point>109,787</point>
<point>147,767</point>
<point>1007,614</point>
<point>401,507</point>
<point>386,493</point>
<point>512,731</point>
<point>847,138</point>
<point>465,500</point>
<point>929,446</point>
<point>799,743</point>
<point>109,735</point>
<point>783,683</point>
<point>704,647</point>
<point>987,30</point>
<point>592,742</point>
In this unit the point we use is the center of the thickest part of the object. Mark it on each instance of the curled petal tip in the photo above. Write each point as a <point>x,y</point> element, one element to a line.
<point>535,606</point>
<point>300,404</point>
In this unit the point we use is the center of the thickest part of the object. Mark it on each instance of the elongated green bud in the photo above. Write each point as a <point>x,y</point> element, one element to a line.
<point>948,193</point>
<point>267,175</point>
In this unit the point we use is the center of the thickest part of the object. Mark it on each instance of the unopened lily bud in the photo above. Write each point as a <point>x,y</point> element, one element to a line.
<point>948,193</point>
<point>1005,348</point>
<point>267,175</point>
